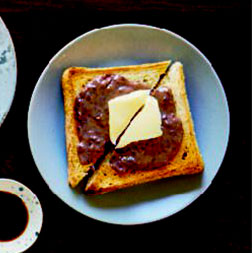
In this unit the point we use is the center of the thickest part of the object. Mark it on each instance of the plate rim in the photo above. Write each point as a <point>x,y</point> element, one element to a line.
<point>5,113</point>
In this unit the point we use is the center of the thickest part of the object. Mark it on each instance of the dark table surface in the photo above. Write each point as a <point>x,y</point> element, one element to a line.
<point>220,219</point>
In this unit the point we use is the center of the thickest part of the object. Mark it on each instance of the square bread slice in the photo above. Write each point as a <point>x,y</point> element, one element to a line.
<point>187,161</point>
<point>73,79</point>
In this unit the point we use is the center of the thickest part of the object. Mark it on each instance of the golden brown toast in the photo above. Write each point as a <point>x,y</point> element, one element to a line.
<point>187,161</point>
<point>73,80</point>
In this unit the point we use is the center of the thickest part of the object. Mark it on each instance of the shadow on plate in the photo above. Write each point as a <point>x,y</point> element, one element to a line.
<point>146,192</point>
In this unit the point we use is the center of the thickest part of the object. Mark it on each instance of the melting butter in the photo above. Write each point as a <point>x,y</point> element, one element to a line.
<point>122,109</point>
<point>146,125</point>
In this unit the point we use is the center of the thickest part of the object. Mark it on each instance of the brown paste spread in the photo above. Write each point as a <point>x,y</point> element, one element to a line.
<point>156,152</point>
<point>92,115</point>
<point>92,122</point>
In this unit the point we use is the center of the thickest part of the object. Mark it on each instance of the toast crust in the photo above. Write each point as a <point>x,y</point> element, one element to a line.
<point>73,79</point>
<point>187,161</point>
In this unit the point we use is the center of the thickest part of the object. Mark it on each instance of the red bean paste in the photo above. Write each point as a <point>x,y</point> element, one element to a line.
<point>92,114</point>
<point>92,123</point>
<point>156,152</point>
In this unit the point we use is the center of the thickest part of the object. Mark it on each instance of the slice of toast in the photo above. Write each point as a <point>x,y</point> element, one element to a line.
<point>73,79</point>
<point>187,161</point>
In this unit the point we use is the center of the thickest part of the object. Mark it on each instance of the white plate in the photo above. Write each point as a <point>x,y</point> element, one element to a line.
<point>8,71</point>
<point>122,45</point>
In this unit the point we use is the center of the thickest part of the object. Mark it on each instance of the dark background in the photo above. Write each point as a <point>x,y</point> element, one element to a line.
<point>219,220</point>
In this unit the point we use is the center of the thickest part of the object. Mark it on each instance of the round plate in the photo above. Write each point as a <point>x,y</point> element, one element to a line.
<point>122,45</point>
<point>31,232</point>
<point>8,71</point>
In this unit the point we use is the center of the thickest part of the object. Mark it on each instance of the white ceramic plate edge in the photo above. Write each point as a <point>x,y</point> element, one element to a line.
<point>15,79</point>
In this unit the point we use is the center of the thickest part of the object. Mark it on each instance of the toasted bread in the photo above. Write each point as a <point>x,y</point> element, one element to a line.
<point>73,79</point>
<point>187,161</point>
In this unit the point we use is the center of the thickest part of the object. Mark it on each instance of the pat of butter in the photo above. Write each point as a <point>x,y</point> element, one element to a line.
<point>146,125</point>
<point>122,109</point>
